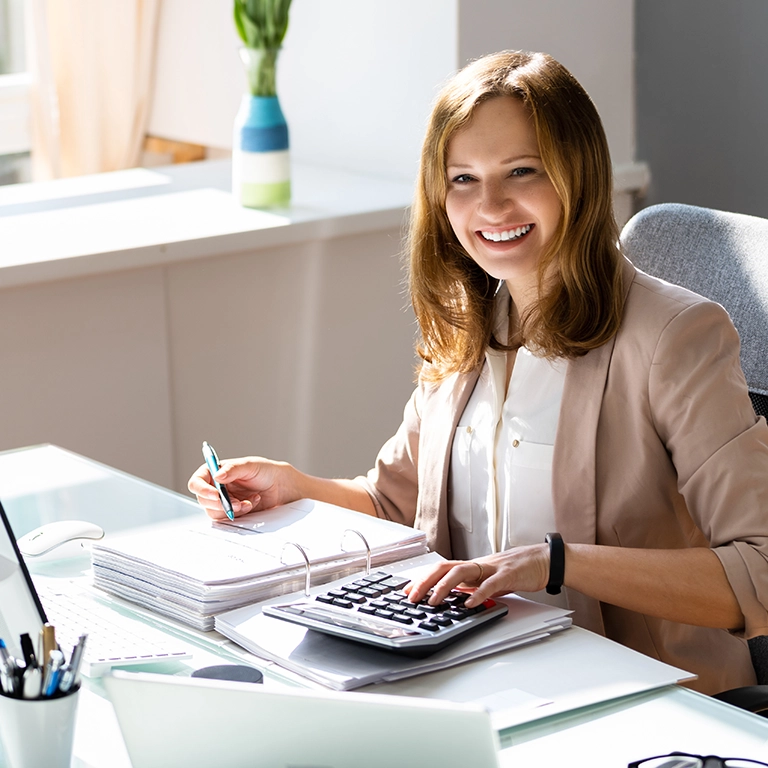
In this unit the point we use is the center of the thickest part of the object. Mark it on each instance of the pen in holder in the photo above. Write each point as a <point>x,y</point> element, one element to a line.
<point>38,732</point>
<point>365,544</point>
<point>307,566</point>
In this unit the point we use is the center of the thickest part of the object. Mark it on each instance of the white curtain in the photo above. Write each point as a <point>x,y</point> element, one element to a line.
<point>92,63</point>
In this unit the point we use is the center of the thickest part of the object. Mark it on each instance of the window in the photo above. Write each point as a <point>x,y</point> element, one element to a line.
<point>14,95</point>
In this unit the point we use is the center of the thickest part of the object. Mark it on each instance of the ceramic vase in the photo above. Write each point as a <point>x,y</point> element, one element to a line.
<point>260,148</point>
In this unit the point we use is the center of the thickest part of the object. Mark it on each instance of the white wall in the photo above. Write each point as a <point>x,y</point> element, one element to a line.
<point>357,77</point>
<point>593,38</point>
<point>355,80</point>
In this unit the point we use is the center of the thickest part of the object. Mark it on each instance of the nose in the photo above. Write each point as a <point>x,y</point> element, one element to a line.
<point>495,200</point>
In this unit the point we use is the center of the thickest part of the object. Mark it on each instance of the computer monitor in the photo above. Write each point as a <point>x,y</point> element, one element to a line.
<point>20,608</point>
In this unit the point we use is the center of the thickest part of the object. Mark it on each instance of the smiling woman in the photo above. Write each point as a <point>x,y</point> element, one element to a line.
<point>580,430</point>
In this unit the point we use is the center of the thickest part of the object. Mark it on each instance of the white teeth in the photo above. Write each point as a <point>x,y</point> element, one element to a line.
<point>511,234</point>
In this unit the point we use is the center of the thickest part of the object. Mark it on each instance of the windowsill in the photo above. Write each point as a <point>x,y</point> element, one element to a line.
<point>149,217</point>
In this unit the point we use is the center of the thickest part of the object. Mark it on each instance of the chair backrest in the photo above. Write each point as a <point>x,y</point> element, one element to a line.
<point>723,256</point>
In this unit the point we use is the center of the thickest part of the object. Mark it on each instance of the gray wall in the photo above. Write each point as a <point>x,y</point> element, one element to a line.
<point>702,102</point>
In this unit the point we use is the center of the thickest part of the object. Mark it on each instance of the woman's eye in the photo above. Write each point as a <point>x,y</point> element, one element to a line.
<point>523,171</point>
<point>462,178</point>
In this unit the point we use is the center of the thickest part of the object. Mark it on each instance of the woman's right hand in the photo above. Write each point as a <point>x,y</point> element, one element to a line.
<point>253,484</point>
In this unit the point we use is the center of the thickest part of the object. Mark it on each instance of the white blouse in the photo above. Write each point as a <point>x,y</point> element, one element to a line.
<point>501,461</point>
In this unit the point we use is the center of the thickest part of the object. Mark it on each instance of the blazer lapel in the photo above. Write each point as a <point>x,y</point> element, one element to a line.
<point>574,477</point>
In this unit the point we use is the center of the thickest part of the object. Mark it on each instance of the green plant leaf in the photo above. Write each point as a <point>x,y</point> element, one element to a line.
<point>262,23</point>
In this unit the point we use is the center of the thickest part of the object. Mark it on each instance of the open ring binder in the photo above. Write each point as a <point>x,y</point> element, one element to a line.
<point>365,544</point>
<point>307,566</point>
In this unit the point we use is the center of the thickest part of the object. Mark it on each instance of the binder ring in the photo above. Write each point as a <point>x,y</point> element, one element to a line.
<point>365,544</point>
<point>307,566</point>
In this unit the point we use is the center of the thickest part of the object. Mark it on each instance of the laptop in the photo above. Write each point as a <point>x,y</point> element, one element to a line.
<point>113,639</point>
<point>170,720</point>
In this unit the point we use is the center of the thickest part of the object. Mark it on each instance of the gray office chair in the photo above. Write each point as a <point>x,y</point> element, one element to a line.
<point>723,256</point>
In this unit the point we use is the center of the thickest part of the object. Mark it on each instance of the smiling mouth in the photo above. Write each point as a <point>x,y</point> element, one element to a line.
<point>510,234</point>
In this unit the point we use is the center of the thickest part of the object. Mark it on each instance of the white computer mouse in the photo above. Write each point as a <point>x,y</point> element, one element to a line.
<point>61,540</point>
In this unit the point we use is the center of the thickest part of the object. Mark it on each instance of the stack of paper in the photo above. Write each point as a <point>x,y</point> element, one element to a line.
<point>344,664</point>
<point>194,569</point>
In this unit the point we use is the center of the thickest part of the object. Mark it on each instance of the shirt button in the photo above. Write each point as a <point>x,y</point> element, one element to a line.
<point>515,443</point>
<point>469,430</point>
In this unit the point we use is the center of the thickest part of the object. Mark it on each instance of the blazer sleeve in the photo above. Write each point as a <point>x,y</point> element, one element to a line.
<point>393,482</point>
<point>702,411</point>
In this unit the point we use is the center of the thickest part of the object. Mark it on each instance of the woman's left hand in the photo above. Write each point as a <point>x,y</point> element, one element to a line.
<point>523,569</point>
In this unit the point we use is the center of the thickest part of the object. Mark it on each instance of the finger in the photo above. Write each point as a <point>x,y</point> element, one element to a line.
<point>466,573</point>
<point>232,470</point>
<point>418,588</point>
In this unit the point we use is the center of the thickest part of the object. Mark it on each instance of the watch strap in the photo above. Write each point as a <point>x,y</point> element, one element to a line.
<point>556,563</point>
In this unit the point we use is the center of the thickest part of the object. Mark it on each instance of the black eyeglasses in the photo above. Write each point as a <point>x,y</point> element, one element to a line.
<point>684,760</point>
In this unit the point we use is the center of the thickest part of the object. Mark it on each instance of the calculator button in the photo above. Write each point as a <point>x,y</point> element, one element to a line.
<point>394,582</point>
<point>374,578</point>
<point>370,592</point>
<point>353,597</point>
<point>368,608</point>
<point>383,613</point>
<point>442,621</point>
<point>379,604</point>
<point>392,598</point>
<point>342,602</point>
<point>431,626</point>
<point>397,608</point>
<point>402,619</point>
<point>459,614</point>
<point>415,613</point>
<point>337,593</point>
<point>456,599</point>
<point>325,598</point>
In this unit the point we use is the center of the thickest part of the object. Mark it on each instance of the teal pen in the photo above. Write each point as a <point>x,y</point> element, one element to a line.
<point>212,460</point>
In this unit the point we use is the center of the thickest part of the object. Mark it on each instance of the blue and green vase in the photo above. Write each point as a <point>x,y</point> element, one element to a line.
<point>261,174</point>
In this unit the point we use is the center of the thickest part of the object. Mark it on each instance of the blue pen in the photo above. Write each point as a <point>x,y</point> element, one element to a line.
<point>52,673</point>
<point>212,460</point>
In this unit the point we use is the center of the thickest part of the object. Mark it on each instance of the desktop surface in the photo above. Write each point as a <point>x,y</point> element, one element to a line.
<point>45,483</point>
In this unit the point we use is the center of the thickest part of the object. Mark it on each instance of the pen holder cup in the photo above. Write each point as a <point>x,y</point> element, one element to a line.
<point>37,732</point>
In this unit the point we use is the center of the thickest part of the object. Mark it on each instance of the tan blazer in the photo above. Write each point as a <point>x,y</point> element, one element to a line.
<point>657,447</point>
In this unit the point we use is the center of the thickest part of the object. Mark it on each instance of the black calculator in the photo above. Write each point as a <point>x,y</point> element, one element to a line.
<point>374,610</point>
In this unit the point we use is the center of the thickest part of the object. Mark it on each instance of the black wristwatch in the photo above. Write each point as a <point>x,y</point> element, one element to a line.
<point>556,563</point>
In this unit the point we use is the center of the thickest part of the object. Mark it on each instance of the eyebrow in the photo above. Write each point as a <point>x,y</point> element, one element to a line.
<point>507,161</point>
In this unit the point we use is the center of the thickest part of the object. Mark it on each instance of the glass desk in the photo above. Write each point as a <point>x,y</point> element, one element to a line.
<point>45,483</point>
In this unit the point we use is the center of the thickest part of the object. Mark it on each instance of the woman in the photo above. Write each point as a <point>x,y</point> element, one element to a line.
<point>561,390</point>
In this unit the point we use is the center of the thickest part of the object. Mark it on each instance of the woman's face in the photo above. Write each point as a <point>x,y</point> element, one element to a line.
<point>501,204</point>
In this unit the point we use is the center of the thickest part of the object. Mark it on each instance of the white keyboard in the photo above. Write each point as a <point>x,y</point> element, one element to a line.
<point>113,639</point>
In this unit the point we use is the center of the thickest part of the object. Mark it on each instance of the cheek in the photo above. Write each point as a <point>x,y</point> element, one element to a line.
<point>456,211</point>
